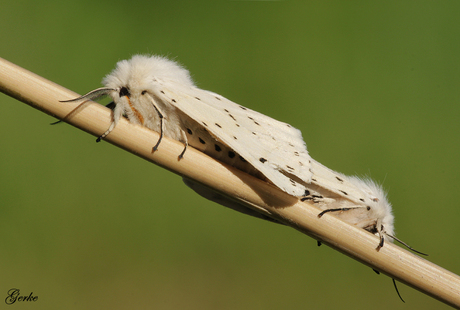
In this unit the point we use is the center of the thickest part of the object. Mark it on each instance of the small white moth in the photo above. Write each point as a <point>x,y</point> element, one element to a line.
<point>158,93</point>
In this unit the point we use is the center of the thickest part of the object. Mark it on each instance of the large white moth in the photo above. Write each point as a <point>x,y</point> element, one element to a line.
<point>158,93</point>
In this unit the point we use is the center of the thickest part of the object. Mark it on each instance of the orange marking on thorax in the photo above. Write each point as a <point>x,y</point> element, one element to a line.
<point>136,112</point>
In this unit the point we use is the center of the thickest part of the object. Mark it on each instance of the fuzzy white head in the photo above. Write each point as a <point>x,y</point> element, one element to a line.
<point>380,207</point>
<point>360,202</point>
<point>135,93</point>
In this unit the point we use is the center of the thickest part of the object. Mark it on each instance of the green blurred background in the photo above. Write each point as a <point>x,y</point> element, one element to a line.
<point>374,87</point>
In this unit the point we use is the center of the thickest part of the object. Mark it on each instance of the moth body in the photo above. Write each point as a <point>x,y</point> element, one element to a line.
<point>158,93</point>
<point>358,201</point>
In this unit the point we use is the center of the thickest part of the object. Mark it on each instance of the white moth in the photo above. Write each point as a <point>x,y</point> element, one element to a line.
<point>158,93</point>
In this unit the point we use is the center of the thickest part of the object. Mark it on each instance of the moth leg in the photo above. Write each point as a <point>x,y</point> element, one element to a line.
<point>382,239</point>
<point>111,127</point>
<point>336,210</point>
<point>117,114</point>
<point>184,137</point>
<point>381,231</point>
<point>162,126</point>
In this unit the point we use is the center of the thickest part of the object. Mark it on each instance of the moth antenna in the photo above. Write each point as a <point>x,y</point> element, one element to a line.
<point>406,245</point>
<point>110,105</point>
<point>92,95</point>
<point>397,291</point>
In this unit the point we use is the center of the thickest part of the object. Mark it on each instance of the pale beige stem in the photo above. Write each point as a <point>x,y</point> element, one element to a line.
<point>356,243</point>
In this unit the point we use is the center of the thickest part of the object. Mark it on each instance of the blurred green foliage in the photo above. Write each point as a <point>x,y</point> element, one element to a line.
<point>374,87</point>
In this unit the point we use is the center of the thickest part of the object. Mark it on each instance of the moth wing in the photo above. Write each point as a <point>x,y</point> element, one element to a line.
<point>274,148</point>
<point>277,130</point>
<point>338,183</point>
<point>225,201</point>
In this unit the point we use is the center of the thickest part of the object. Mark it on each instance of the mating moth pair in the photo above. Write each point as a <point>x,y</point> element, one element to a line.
<point>158,93</point>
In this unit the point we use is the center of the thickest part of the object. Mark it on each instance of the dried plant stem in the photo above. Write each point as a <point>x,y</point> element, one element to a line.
<point>356,243</point>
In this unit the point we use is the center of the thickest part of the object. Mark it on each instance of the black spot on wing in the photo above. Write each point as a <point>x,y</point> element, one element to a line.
<point>217,148</point>
<point>202,141</point>
<point>339,179</point>
<point>189,131</point>
<point>345,193</point>
<point>262,160</point>
<point>255,122</point>
<point>231,154</point>
<point>218,125</point>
